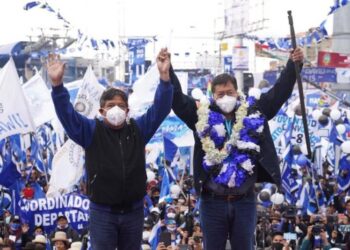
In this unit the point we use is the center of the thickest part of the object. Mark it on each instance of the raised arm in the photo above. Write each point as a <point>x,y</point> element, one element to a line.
<point>79,128</point>
<point>271,102</point>
<point>151,120</point>
<point>184,106</point>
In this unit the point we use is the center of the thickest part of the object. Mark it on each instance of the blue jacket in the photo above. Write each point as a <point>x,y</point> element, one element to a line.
<point>81,129</point>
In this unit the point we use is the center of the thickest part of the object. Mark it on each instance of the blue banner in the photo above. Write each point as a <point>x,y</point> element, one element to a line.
<point>313,100</point>
<point>137,55</point>
<point>319,74</point>
<point>172,126</point>
<point>45,211</point>
<point>228,64</point>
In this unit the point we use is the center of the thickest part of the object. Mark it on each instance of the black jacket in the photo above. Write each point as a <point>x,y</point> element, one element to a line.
<point>269,104</point>
<point>115,164</point>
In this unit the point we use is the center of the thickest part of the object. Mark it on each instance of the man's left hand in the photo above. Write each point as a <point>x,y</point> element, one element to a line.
<point>297,55</point>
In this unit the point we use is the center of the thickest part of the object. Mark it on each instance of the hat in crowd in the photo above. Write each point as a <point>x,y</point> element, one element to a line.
<point>76,245</point>
<point>60,236</point>
<point>155,210</point>
<point>147,222</point>
<point>145,247</point>
<point>40,239</point>
<point>61,217</point>
<point>15,218</point>
<point>29,246</point>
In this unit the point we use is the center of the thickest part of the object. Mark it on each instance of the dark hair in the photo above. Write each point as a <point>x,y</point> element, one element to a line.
<point>110,93</point>
<point>276,233</point>
<point>223,79</point>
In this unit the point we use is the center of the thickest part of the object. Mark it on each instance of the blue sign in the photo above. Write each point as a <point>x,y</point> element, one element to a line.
<point>45,211</point>
<point>319,74</point>
<point>137,57</point>
<point>228,64</point>
<point>313,100</point>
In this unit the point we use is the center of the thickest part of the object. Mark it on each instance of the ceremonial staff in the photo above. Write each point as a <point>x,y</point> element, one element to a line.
<point>300,87</point>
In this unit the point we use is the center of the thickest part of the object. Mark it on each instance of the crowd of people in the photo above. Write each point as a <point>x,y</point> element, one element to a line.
<point>282,226</point>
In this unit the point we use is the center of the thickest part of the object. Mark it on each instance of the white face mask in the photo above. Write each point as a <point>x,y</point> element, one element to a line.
<point>226,103</point>
<point>171,215</point>
<point>115,116</point>
<point>171,228</point>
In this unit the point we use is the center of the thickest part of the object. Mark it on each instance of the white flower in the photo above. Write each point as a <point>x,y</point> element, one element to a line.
<point>220,129</point>
<point>232,182</point>
<point>255,115</point>
<point>255,92</point>
<point>224,168</point>
<point>247,165</point>
<point>260,129</point>
<point>248,145</point>
<point>208,162</point>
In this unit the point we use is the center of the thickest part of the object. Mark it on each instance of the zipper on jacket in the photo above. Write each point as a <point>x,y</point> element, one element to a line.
<point>123,166</point>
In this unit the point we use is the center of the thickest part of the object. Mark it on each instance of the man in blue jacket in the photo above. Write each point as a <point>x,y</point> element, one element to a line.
<point>233,150</point>
<point>114,156</point>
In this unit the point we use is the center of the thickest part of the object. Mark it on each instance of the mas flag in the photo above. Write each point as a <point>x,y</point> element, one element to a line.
<point>39,100</point>
<point>87,102</point>
<point>15,117</point>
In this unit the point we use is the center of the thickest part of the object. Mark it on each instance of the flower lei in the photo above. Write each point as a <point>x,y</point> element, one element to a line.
<point>230,162</point>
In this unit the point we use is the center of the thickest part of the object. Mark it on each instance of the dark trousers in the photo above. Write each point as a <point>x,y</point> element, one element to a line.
<point>222,219</point>
<point>112,229</point>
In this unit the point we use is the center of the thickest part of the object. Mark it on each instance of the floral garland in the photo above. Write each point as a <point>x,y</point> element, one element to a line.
<point>230,162</point>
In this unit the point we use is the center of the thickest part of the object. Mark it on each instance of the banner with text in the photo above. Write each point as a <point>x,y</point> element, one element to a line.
<point>45,211</point>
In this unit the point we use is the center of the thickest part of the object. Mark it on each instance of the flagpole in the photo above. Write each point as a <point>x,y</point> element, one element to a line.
<point>172,175</point>
<point>300,87</point>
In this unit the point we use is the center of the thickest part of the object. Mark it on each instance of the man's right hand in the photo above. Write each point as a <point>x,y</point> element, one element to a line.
<point>163,63</point>
<point>55,69</point>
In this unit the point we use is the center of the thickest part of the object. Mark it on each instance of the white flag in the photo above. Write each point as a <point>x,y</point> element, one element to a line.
<point>143,92</point>
<point>87,102</point>
<point>39,100</point>
<point>68,163</point>
<point>15,117</point>
<point>67,169</point>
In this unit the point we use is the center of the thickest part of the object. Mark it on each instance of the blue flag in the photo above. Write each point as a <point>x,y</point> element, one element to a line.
<point>30,5</point>
<point>9,174</point>
<point>170,149</point>
<point>35,155</point>
<point>165,187</point>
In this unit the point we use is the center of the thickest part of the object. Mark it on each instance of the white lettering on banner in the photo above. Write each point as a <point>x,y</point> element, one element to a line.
<point>13,122</point>
<point>43,204</point>
<point>47,219</point>
<point>281,126</point>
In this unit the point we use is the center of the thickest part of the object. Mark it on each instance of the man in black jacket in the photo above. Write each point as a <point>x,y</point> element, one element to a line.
<point>114,156</point>
<point>233,150</point>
